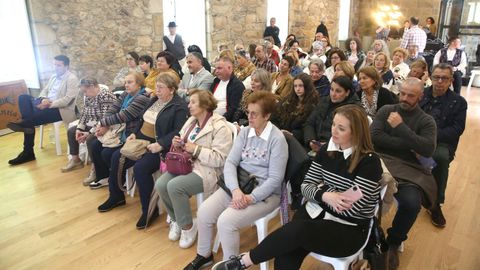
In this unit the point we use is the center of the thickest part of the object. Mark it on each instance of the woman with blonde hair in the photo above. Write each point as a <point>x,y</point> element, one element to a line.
<point>260,82</point>
<point>332,222</point>
<point>162,118</point>
<point>381,62</point>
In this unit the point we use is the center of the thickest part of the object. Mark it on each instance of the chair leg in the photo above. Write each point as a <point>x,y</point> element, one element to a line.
<point>41,136</point>
<point>216,243</point>
<point>58,146</point>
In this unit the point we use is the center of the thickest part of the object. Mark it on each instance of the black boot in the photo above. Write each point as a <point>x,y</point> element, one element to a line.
<point>438,219</point>
<point>24,156</point>
<point>109,204</point>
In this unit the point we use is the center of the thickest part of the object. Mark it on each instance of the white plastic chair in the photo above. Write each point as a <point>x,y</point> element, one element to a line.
<point>56,132</point>
<point>262,231</point>
<point>345,262</point>
<point>234,130</point>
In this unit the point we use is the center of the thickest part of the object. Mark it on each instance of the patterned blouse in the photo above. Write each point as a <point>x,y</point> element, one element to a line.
<point>371,109</point>
<point>95,108</point>
<point>243,73</point>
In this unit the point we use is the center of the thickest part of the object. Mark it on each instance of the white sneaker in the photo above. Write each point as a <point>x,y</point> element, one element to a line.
<point>174,233</point>
<point>72,165</point>
<point>99,184</point>
<point>91,177</point>
<point>188,237</point>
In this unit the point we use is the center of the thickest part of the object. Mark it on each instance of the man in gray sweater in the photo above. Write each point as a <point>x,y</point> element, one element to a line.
<point>405,136</point>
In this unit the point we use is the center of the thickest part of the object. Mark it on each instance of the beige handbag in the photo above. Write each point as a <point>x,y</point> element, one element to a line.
<point>134,149</point>
<point>111,138</point>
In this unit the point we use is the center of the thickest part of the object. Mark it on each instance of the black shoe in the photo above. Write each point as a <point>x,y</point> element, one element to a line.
<point>142,222</point>
<point>110,204</point>
<point>24,156</point>
<point>393,260</point>
<point>234,263</point>
<point>437,216</point>
<point>199,262</point>
<point>20,127</point>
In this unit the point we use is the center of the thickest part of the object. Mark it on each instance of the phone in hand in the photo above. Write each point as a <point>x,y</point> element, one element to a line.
<point>353,194</point>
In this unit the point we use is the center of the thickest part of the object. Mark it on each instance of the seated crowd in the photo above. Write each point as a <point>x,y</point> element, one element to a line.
<point>349,110</point>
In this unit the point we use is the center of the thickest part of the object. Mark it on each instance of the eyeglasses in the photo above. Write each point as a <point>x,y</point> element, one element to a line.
<point>440,78</point>
<point>252,114</point>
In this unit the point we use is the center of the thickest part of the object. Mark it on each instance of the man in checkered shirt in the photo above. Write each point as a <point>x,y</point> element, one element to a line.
<point>414,36</point>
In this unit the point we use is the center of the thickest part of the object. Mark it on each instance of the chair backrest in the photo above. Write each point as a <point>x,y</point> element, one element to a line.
<point>233,128</point>
<point>298,159</point>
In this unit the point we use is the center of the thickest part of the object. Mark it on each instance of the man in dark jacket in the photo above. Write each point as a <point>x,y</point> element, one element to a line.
<point>273,31</point>
<point>450,112</point>
<point>226,88</point>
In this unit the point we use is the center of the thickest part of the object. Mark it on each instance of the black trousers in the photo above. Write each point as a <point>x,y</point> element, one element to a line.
<point>142,172</point>
<point>409,199</point>
<point>290,244</point>
<point>101,158</point>
<point>457,81</point>
<point>32,116</point>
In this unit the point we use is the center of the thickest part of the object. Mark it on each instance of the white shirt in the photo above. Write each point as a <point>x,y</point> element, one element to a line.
<point>53,91</point>
<point>450,54</point>
<point>221,95</point>
<point>265,133</point>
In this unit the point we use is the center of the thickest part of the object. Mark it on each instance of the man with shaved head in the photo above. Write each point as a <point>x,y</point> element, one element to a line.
<point>405,137</point>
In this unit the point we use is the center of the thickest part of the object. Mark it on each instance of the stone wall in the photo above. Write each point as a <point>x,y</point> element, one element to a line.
<point>95,35</point>
<point>409,8</point>
<point>306,15</point>
<point>230,22</point>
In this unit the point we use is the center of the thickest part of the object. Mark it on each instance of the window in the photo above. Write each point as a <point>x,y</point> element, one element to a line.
<point>16,48</point>
<point>279,10</point>
<point>344,19</point>
<point>190,18</point>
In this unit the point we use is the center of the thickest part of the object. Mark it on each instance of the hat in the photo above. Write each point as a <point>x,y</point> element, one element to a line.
<point>172,24</point>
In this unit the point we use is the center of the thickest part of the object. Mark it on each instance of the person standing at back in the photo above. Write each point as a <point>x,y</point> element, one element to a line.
<point>414,36</point>
<point>174,43</point>
<point>273,31</point>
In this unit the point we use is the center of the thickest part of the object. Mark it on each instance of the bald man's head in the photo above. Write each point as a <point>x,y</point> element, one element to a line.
<point>411,92</point>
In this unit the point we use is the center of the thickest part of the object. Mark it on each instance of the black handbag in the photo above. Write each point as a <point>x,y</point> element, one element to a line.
<point>246,182</point>
<point>376,251</point>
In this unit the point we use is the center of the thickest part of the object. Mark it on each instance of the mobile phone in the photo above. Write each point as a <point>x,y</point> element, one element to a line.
<point>353,194</point>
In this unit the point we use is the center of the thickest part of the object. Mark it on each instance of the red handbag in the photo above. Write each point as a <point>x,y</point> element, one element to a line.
<point>179,162</point>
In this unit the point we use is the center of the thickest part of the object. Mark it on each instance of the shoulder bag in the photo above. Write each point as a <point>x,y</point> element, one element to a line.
<point>179,161</point>
<point>246,182</point>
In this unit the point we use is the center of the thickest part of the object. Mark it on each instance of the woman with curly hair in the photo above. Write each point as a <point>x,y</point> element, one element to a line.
<point>293,109</point>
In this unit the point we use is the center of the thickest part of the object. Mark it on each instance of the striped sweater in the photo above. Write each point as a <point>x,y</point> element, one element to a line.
<point>131,115</point>
<point>330,174</point>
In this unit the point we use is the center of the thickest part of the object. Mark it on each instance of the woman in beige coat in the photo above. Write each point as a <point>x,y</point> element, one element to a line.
<point>209,140</point>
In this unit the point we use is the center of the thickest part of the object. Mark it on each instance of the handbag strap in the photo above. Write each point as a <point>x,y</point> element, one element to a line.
<point>193,125</point>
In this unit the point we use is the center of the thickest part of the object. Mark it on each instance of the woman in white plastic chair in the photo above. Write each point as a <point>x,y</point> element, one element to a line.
<point>209,146</point>
<point>261,150</point>
<point>334,221</point>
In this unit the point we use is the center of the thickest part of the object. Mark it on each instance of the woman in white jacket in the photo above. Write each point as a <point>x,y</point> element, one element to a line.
<point>209,140</point>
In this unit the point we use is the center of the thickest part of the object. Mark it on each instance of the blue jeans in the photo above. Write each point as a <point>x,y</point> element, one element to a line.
<point>32,116</point>
<point>409,198</point>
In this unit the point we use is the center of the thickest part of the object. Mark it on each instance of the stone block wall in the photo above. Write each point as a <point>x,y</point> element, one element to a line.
<point>306,15</point>
<point>230,22</point>
<point>95,35</point>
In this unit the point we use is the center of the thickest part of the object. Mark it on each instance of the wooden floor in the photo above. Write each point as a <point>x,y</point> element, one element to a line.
<point>48,220</point>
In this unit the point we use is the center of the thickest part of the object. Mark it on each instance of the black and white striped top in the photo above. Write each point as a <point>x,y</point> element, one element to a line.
<point>330,174</point>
